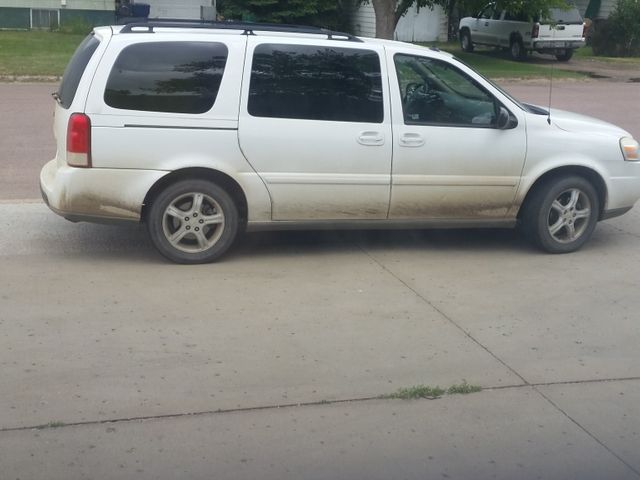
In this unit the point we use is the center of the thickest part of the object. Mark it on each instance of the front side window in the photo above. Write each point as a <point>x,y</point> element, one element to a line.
<point>436,93</point>
<point>177,77</point>
<point>316,83</point>
<point>488,12</point>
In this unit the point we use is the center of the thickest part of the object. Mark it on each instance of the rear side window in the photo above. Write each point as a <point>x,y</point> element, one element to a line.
<point>75,69</point>
<point>316,83</point>
<point>177,77</point>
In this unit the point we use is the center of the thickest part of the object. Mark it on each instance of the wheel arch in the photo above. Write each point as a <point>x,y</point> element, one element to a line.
<point>585,172</point>
<point>515,36</point>
<point>221,179</point>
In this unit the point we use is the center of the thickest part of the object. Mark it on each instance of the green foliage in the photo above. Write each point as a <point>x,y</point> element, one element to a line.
<point>619,35</point>
<point>533,8</point>
<point>463,389</point>
<point>321,13</point>
<point>426,391</point>
<point>419,391</point>
<point>51,425</point>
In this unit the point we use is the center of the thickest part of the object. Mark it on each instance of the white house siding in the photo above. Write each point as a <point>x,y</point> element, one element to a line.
<point>106,5</point>
<point>418,25</point>
<point>183,9</point>
<point>422,25</point>
<point>606,7</point>
<point>363,20</point>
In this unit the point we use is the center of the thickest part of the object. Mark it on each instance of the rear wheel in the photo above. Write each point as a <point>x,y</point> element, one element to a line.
<point>561,215</point>
<point>465,41</point>
<point>193,221</point>
<point>566,56</point>
<point>517,50</point>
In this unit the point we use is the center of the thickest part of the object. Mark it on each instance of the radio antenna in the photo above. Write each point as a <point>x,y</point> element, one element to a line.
<point>553,27</point>
<point>550,90</point>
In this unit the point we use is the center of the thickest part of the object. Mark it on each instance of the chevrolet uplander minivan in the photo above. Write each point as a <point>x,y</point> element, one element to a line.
<point>203,130</point>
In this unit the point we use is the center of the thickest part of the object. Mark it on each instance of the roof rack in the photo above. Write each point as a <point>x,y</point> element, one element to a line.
<point>248,28</point>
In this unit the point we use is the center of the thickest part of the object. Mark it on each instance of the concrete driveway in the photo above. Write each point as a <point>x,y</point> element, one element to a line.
<point>116,364</point>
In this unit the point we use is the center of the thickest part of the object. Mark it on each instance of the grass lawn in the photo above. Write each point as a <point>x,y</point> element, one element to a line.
<point>587,53</point>
<point>496,64</point>
<point>36,53</point>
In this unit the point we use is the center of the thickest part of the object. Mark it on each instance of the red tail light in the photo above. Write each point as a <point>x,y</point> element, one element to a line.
<point>535,31</point>
<point>79,140</point>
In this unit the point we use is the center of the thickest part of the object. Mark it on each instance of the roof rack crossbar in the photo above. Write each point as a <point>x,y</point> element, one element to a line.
<point>248,28</point>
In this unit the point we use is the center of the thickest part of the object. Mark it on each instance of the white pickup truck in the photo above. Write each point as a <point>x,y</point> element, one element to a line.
<point>559,35</point>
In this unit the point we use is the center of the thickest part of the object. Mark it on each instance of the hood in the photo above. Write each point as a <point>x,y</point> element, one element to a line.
<point>573,122</point>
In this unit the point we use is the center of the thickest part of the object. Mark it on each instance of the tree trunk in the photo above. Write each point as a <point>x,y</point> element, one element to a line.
<point>385,18</point>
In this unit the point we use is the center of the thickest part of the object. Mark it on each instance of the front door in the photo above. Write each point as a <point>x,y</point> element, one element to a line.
<point>450,159</point>
<point>315,124</point>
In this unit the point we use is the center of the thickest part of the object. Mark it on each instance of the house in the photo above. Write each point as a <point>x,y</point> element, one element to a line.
<point>417,25</point>
<point>596,9</point>
<point>47,14</point>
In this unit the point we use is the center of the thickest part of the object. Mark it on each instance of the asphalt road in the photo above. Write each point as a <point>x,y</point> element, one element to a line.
<point>26,137</point>
<point>116,364</point>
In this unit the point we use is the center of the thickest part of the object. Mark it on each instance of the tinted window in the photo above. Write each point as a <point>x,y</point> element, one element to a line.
<point>180,77</point>
<point>316,83</point>
<point>436,93</point>
<point>487,12</point>
<point>517,17</point>
<point>75,69</point>
<point>572,15</point>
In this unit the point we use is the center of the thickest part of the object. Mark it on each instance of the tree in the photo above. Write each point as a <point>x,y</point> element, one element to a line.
<point>389,12</point>
<point>321,13</point>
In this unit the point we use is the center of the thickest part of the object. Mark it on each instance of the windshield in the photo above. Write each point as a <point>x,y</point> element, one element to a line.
<point>501,90</point>
<point>524,106</point>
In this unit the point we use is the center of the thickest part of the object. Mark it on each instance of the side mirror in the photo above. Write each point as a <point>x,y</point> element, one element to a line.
<point>506,121</point>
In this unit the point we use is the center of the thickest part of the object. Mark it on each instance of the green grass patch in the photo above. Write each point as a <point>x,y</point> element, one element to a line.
<point>418,391</point>
<point>586,53</point>
<point>463,389</point>
<point>427,391</point>
<point>51,425</point>
<point>36,53</point>
<point>497,64</point>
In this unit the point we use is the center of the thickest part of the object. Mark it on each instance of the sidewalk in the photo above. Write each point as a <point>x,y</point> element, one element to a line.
<point>577,431</point>
<point>268,365</point>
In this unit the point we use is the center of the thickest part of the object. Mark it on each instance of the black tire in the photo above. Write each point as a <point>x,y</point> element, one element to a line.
<point>566,56</point>
<point>561,214</point>
<point>465,41</point>
<point>517,50</point>
<point>193,221</point>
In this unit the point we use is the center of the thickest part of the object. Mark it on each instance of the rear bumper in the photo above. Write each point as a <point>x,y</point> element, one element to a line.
<point>547,45</point>
<point>96,194</point>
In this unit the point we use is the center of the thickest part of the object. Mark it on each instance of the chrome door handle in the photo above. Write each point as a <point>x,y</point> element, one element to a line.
<point>411,140</point>
<point>371,139</point>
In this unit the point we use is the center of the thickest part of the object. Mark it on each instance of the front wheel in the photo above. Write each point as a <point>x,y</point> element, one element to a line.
<point>193,221</point>
<point>561,216</point>
<point>465,41</point>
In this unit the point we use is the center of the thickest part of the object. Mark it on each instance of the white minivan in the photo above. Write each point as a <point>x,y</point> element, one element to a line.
<point>206,129</point>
